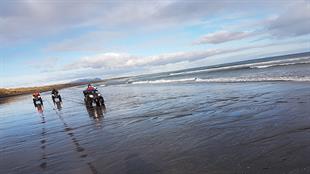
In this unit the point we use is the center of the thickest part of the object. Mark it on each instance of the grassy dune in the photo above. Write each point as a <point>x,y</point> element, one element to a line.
<point>7,92</point>
<point>4,92</point>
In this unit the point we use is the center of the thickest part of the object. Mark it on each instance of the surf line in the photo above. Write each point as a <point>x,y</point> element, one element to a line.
<point>75,141</point>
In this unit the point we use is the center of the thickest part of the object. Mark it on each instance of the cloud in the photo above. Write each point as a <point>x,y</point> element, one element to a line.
<point>294,21</point>
<point>48,64</point>
<point>222,36</point>
<point>24,20</point>
<point>112,61</point>
<point>34,19</point>
<point>91,41</point>
<point>108,65</point>
<point>122,60</point>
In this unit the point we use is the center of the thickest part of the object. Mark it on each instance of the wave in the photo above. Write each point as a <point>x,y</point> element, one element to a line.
<point>165,81</point>
<point>267,64</point>
<point>280,64</point>
<point>255,79</point>
<point>188,72</point>
<point>262,66</point>
<point>211,69</point>
<point>227,80</point>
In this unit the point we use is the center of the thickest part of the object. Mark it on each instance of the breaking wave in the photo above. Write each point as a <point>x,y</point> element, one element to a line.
<point>281,64</point>
<point>165,81</point>
<point>255,79</point>
<point>259,65</point>
<point>226,80</point>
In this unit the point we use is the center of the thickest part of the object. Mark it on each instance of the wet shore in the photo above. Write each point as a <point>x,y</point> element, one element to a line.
<point>162,128</point>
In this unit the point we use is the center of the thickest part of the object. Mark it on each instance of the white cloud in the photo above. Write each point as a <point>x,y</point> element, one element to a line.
<point>100,20</point>
<point>223,36</point>
<point>46,64</point>
<point>122,60</point>
<point>294,21</point>
<point>21,20</point>
<point>111,61</point>
<point>91,41</point>
<point>34,19</point>
<point>119,64</point>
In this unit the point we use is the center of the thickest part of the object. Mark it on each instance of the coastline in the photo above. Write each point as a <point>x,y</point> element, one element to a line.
<point>11,92</point>
<point>191,128</point>
<point>4,92</point>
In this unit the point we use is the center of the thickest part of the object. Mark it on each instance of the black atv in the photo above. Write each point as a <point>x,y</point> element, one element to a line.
<point>56,97</point>
<point>94,96</point>
<point>37,100</point>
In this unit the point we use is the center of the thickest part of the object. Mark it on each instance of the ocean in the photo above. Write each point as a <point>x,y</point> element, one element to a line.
<point>294,67</point>
<point>245,117</point>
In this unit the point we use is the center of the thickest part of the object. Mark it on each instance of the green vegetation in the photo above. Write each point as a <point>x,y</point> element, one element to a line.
<point>5,92</point>
<point>8,92</point>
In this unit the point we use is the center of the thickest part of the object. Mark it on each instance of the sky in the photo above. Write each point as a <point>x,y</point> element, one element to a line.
<point>53,41</point>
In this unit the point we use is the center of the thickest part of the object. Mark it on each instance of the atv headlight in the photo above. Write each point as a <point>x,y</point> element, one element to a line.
<point>99,94</point>
<point>91,96</point>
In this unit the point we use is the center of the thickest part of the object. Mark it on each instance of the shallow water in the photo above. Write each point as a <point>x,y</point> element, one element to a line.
<point>161,128</point>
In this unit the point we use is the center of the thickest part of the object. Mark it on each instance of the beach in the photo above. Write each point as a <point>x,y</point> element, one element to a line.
<point>255,127</point>
<point>244,117</point>
<point>154,87</point>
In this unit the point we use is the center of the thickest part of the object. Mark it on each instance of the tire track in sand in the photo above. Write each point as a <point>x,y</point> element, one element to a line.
<point>78,148</point>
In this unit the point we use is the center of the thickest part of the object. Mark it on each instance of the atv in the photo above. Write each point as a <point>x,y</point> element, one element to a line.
<point>56,97</point>
<point>94,96</point>
<point>37,100</point>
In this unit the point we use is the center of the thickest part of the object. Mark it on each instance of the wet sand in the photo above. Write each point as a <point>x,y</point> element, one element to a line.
<point>162,128</point>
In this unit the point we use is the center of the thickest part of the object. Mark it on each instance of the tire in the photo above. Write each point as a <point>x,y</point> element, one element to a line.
<point>41,101</point>
<point>60,99</point>
<point>102,101</point>
<point>90,102</point>
<point>98,103</point>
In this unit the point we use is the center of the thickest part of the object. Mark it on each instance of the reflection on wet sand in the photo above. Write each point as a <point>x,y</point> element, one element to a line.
<point>7,100</point>
<point>43,139</point>
<point>58,105</point>
<point>207,128</point>
<point>96,112</point>
<point>40,108</point>
<point>70,132</point>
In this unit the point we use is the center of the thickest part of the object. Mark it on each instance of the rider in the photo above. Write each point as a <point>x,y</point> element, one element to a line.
<point>90,88</point>
<point>37,97</point>
<point>55,95</point>
<point>36,94</point>
<point>55,91</point>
